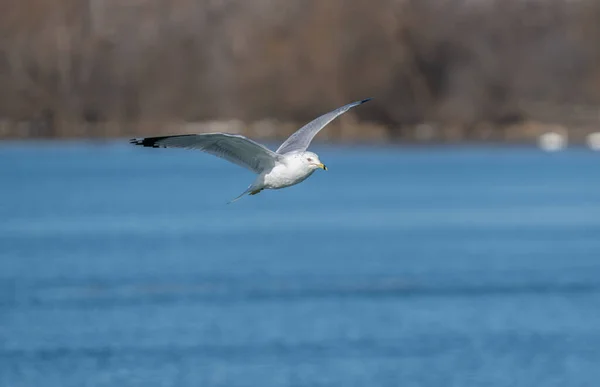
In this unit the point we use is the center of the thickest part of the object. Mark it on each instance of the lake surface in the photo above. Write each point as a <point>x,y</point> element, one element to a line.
<point>455,266</point>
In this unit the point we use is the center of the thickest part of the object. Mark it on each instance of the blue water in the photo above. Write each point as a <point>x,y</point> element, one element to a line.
<point>456,266</point>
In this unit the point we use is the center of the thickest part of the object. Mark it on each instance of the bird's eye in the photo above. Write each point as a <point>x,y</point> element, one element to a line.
<point>309,159</point>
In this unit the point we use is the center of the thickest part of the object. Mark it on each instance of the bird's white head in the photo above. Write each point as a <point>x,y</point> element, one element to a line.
<point>312,161</point>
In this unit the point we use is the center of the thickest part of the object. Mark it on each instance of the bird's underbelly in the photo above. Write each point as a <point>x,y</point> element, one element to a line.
<point>284,177</point>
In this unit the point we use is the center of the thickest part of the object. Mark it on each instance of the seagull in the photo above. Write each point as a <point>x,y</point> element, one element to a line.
<point>289,165</point>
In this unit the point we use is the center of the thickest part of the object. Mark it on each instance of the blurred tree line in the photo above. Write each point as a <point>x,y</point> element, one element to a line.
<point>67,66</point>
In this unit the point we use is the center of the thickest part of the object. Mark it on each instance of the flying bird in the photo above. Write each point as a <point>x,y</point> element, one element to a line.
<point>290,164</point>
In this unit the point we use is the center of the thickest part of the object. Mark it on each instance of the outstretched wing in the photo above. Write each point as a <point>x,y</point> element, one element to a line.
<point>231,147</point>
<point>300,140</point>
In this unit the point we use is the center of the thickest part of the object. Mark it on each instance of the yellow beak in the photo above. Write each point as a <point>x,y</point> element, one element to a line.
<point>323,167</point>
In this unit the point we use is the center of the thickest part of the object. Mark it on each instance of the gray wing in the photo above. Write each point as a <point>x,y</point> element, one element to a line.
<point>300,140</point>
<point>231,147</point>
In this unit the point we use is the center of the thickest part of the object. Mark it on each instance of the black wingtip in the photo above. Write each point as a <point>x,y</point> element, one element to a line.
<point>366,100</point>
<point>155,142</point>
<point>150,142</point>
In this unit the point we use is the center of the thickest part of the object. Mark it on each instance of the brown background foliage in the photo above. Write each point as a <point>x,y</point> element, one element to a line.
<point>66,65</point>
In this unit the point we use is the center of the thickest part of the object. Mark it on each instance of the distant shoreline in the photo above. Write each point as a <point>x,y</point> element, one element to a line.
<point>340,132</point>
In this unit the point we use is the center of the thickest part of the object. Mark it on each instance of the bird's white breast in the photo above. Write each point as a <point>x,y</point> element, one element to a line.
<point>284,174</point>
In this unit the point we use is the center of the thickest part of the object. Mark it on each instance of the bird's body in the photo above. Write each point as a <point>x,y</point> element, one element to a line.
<point>289,171</point>
<point>289,165</point>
